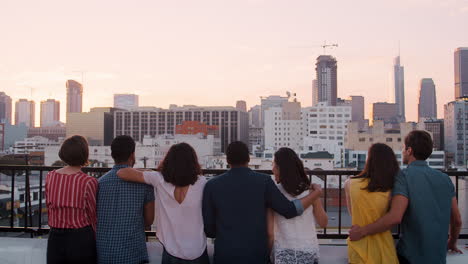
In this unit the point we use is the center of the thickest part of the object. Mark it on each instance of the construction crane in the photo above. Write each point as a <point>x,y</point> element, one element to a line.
<point>325,46</point>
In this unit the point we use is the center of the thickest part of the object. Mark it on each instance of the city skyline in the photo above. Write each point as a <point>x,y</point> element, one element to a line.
<point>271,50</point>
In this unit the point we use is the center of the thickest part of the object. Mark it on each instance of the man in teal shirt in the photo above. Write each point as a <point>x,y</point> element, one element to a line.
<point>424,203</point>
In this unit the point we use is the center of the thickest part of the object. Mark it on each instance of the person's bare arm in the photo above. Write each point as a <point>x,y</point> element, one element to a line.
<point>348,197</point>
<point>315,192</point>
<point>320,215</point>
<point>130,174</point>
<point>455,226</point>
<point>270,228</point>
<point>393,217</point>
<point>148,213</point>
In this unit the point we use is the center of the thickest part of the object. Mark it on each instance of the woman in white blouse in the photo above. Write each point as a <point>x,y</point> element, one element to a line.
<point>294,240</point>
<point>178,190</point>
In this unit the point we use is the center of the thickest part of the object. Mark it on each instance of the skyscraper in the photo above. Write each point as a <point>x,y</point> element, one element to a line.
<point>456,130</point>
<point>461,73</point>
<point>50,112</point>
<point>427,107</point>
<point>25,112</point>
<point>5,108</point>
<point>126,101</point>
<point>314,92</point>
<point>327,84</point>
<point>74,97</point>
<point>386,112</point>
<point>399,86</point>
<point>241,105</point>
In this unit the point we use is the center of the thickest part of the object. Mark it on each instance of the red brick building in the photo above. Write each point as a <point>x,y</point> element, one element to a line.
<point>196,127</point>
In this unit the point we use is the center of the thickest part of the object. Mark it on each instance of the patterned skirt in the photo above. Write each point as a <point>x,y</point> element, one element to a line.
<point>295,256</point>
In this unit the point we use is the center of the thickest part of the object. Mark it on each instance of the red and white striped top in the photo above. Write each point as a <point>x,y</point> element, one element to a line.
<point>71,200</point>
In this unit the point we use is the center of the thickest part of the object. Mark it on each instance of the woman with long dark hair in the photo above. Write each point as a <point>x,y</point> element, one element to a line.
<point>368,198</point>
<point>178,191</point>
<point>294,240</point>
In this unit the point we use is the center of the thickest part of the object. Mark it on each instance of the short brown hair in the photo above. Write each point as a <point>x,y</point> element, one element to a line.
<point>74,151</point>
<point>420,142</point>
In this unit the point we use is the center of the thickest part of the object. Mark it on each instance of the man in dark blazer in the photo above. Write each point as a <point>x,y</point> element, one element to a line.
<point>235,205</point>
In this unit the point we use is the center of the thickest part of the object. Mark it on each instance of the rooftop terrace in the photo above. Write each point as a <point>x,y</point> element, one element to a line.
<point>23,214</point>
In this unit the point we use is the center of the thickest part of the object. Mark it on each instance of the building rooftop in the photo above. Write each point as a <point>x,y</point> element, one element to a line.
<point>317,155</point>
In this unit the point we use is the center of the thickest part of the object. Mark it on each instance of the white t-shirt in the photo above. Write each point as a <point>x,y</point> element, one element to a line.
<point>179,227</point>
<point>296,238</point>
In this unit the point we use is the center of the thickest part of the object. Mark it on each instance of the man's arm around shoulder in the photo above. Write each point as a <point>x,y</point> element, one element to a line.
<point>393,217</point>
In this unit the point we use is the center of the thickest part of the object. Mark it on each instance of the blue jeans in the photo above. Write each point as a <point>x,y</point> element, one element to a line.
<point>169,259</point>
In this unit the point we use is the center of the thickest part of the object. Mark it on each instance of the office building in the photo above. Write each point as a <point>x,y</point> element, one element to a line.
<point>74,97</point>
<point>25,112</point>
<point>270,101</point>
<point>357,109</point>
<point>325,129</point>
<point>50,112</point>
<point>386,112</point>
<point>97,125</point>
<point>283,126</point>
<point>126,101</point>
<point>5,108</point>
<point>232,123</point>
<point>255,116</point>
<point>456,131</point>
<point>436,128</point>
<point>427,107</point>
<point>399,89</point>
<point>461,72</point>
<point>327,79</point>
<point>377,133</point>
<point>241,106</point>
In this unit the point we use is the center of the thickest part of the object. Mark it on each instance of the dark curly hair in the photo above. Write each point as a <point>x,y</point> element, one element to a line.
<point>180,166</point>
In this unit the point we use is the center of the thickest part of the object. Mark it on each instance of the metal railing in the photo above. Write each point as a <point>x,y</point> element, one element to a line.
<point>34,178</point>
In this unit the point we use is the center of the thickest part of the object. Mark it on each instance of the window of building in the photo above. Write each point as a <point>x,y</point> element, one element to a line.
<point>362,139</point>
<point>389,140</point>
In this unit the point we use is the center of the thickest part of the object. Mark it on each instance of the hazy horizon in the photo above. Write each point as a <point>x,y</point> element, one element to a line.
<point>212,52</point>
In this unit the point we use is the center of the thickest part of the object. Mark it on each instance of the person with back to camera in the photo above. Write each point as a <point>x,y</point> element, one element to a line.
<point>294,240</point>
<point>71,203</point>
<point>235,208</point>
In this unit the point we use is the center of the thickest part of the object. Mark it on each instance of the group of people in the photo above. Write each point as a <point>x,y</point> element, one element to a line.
<point>251,218</point>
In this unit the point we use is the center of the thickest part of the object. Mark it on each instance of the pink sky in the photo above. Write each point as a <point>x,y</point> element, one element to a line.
<point>213,52</point>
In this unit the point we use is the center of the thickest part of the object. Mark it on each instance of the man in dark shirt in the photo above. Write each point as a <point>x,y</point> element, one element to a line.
<point>234,209</point>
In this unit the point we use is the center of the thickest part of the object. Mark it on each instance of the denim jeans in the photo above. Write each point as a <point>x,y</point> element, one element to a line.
<point>168,259</point>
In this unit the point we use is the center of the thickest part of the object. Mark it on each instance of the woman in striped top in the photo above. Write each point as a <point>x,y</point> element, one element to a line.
<point>71,202</point>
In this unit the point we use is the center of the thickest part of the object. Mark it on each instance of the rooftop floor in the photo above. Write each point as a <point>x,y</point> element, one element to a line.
<point>33,251</point>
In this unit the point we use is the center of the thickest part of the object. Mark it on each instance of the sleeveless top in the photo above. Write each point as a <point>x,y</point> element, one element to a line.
<point>295,239</point>
<point>368,207</point>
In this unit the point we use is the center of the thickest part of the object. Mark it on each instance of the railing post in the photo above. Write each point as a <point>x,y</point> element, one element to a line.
<point>40,200</point>
<point>339,205</point>
<point>325,199</point>
<point>12,209</point>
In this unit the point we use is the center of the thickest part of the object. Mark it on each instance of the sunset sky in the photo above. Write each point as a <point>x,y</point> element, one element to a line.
<point>214,52</point>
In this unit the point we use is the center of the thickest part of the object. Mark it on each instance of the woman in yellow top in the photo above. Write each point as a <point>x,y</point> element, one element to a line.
<point>368,198</point>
